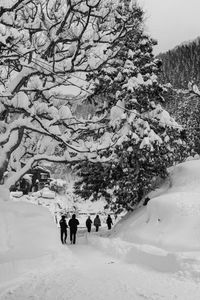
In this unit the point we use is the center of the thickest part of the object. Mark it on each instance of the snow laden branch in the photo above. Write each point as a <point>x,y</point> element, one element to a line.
<point>33,161</point>
<point>66,159</point>
<point>16,4</point>
<point>47,51</point>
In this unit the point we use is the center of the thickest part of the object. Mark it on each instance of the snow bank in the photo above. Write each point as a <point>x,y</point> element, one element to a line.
<point>143,255</point>
<point>185,177</point>
<point>29,239</point>
<point>172,220</point>
<point>165,234</point>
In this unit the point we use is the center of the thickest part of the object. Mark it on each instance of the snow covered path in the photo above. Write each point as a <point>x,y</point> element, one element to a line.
<point>152,253</point>
<point>92,274</point>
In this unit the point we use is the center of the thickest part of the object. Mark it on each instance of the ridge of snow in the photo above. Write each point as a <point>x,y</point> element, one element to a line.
<point>29,239</point>
<point>171,219</point>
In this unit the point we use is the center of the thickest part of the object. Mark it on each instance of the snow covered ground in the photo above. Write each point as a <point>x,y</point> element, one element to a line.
<point>171,220</point>
<point>152,253</point>
<point>28,239</point>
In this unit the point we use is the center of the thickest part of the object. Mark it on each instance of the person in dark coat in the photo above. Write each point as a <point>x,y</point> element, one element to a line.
<point>146,200</point>
<point>63,230</point>
<point>109,222</point>
<point>88,224</point>
<point>73,224</point>
<point>97,222</point>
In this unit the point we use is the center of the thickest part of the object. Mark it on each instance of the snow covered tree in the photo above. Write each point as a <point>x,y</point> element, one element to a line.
<point>184,106</point>
<point>147,138</point>
<point>46,50</point>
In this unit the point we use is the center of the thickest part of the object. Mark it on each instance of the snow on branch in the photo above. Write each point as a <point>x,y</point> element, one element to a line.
<point>13,7</point>
<point>16,176</point>
<point>50,49</point>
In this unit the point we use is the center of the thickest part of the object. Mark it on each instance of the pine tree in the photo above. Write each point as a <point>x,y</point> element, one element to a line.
<point>147,139</point>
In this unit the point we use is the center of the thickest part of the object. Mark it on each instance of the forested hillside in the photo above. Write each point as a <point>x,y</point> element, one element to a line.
<point>181,64</point>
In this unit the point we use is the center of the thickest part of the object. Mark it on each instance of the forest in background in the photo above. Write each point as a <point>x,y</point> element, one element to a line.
<point>180,68</point>
<point>181,64</point>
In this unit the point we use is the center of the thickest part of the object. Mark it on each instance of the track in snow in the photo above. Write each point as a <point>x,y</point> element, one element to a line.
<point>92,275</point>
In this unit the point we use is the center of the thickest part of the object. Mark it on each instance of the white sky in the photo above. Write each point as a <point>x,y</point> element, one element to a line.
<point>172,22</point>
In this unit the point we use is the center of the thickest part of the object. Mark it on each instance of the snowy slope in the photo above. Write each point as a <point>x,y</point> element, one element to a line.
<point>171,220</point>
<point>165,234</point>
<point>152,253</point>
<point>29,239</point>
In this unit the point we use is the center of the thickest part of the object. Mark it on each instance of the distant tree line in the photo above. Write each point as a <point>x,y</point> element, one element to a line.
<point>181,64</point>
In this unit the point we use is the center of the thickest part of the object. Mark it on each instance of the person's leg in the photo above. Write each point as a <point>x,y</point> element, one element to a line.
<point>74,238</point>
<point>89,229</point>
<point>71,234</point>
<point>65,236</point>
<point>61,236</point>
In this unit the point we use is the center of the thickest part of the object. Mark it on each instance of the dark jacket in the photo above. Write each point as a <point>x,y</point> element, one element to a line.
<point>63,224</point>
<point>109,221</point>
<point>146,200</point>
<point>73,224</point>
<point>88,223</point>
<point>97,222</point>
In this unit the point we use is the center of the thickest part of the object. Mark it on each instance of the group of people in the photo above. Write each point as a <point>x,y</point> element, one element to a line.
<point>97,223</point>
<point>73,225</point>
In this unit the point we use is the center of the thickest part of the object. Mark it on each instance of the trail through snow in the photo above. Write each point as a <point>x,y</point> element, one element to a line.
<point>152,253</point>
<point>92,274</point>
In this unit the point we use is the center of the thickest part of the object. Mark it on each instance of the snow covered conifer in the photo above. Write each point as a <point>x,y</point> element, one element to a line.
<point>147,139</point>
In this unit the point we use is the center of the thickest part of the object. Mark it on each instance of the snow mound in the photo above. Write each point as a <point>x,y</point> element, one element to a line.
<point>186,177</point>
<point>170,221</point>
<point>165,234</point>
<point>144,255</point>
<point>29,239</point>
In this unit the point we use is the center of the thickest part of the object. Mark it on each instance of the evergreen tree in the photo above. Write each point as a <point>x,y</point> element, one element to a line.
<point>147,140</point>
<point>184,106</point>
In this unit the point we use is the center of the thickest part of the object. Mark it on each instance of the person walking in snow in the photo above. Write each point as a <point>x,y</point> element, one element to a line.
<point>63,230</point>
<point>88,224</point>
<point>146,200</point>
<point>109,222</point>
<point>73,224</point>
<point>97,222</point>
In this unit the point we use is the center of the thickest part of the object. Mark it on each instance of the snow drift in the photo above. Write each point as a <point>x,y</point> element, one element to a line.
<point>29,238</point>
<point>165,234</point>
<point>171,220</point>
